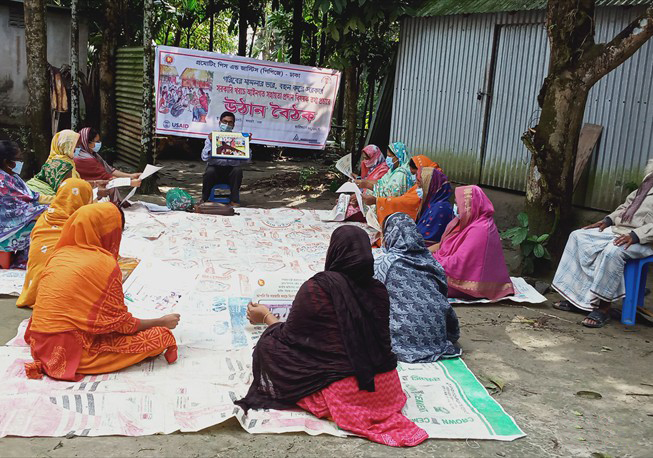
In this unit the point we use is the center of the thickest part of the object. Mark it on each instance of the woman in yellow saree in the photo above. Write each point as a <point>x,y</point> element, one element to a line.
<point>80,324</point>
<point>71,195</point>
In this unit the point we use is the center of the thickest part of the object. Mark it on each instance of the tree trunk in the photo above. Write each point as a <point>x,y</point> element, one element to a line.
<point>323,40</point>
<point>312,58</point>
<point>340,110</point>
<point>38,84</point>
<point>177,42</point>
<point>297,31</point>
<point>251,44</point>
<point>108,121</point>
<point>147,119</point>
<point>211,21</point>
<point>242,27</point>
<point>74,67</point>
<point>576,64</point>
<point>351,101</point>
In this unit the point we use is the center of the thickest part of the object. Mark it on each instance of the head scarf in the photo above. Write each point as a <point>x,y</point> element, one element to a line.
<point>18,209</point>
<point>435,210</point>
<point>179,200</point>
<point>398,180</point>
<point>72,194</point>
<point>337,327</point>
<point>53,172</point>
<point>96,228</point>
<point>471,251</point>
<point>63,146</point>
<point>642,192</point>
<point>423,324</point>
<point>374,162</point>
<point>408,203</point>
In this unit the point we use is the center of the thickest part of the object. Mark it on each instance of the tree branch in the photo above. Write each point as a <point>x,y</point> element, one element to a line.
<point>617,51</point>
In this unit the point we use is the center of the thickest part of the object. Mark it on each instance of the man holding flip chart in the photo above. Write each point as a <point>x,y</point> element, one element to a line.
<point>220,169</point>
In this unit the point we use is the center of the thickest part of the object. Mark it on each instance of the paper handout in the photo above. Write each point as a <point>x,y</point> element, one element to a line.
<point>119,182</point>
<point>339,212</point>
<point>351,187</point>
<point>276,292</point>
<point>149,170</point>
<point>129,196</point>
<point>344,166</point>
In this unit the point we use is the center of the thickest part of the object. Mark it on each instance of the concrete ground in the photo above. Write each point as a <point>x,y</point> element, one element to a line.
<point>544,357</point>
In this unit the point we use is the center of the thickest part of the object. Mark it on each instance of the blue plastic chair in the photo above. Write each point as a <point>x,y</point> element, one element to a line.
<point>221,199</point>
<point>635,274</point>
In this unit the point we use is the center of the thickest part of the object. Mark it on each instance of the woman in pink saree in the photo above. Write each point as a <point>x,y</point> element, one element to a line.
<point>373,167</point>
<point>470,250</point>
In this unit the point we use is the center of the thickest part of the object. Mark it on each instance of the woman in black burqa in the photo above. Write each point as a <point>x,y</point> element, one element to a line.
<point>333,356</point>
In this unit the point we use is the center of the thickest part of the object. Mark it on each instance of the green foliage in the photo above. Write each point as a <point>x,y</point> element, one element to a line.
<point>305,176</point>
<point>532,247</point>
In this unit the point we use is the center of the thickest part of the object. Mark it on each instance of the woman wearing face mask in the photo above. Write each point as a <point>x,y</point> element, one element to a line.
<point>58,167</point>
<point>410,202</point>
<point>219,170</point>
<point>19,208</point>
<point>92,167</point>
<point>398,179</point>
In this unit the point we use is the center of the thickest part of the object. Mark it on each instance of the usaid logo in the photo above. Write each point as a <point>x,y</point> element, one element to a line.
<point>166,124</point>
<point>178,125</point>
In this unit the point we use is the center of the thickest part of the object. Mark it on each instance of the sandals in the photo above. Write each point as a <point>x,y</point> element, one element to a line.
<point>599,317</point>
<point>567,306</point>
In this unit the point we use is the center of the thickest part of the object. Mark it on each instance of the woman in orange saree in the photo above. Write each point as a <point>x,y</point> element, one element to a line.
<point>80,324</point>
<point>71,195</point>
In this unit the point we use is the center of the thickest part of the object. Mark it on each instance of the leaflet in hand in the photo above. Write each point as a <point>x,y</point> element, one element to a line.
<point>351,187</point>
<point>344,166</point>
<point>277,292</point>
<point>149,170</point>
<point>119,182</point>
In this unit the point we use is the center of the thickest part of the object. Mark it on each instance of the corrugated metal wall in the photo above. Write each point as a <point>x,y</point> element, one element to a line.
<point>444,62</point>
<point>129,104</point>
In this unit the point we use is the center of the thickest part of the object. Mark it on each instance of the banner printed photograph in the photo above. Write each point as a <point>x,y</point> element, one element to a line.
<point>279,104</point>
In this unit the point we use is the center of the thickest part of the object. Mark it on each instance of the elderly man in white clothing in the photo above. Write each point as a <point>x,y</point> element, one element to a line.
<point>590,275</point>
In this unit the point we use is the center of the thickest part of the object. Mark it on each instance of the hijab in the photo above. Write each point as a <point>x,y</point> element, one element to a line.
<point>54,172</point>
<point>373,163</point>
<point>435,210</point>
<point>337,328</point>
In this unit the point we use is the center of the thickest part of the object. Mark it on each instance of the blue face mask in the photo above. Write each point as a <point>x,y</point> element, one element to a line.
<point>77,151</point>
<point>390,162</point>
<point>18,167</point>
<point>420,192</point>
<point>414,177</point>
<point>225,127</point>
<point>455,210</point>
<point>97,147</point>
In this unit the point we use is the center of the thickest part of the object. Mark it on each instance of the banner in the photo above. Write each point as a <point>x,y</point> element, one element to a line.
<point>279,104</point>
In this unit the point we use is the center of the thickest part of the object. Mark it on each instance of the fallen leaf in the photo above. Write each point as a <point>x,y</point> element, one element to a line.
<point>492,383</point>
<point>606,349</point>
<point>589,394</point>
<point>600,455</point>
<point>59,445</point>
<point>582,439</point>
<point>577,413</point>
<point>579,427</point>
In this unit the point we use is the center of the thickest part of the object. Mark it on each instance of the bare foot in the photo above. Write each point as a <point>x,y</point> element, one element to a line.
<point>234,204</point>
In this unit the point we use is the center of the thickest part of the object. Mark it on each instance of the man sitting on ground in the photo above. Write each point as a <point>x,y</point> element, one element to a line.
<point>220,170</point>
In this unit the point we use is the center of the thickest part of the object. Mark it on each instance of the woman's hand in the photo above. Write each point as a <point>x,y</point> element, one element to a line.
<point>626,240</point>
<point>102,192</point>
<point>135,183</point>
<point>135,176</point>
<point>435,247</point>
<point>169,321</point>
<point>600,225</point>
<point>256,313</point>
<point>369,200</point>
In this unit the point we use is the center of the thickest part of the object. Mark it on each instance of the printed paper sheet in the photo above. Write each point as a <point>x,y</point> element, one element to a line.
<point>208,268</point>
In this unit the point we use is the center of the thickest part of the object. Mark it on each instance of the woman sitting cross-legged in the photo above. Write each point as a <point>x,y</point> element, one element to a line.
<point>470,251</point>
<point>71,195</point>
<point>333,356</point>
<point>80,324</point>
<point>590,275</point>
<point>373,168</point>
<point>423,325</point>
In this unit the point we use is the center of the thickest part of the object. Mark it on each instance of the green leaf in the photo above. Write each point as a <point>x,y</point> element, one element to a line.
<point>523,219</point>
<point>335,34</point>
<point>538,251</point>
<point>547,255</point>
<point>527,249</point>
<point>520,236</point>
<point>532,238</point>
<point>543,238</point>
<point>361,2</point>
<point>509,233</point>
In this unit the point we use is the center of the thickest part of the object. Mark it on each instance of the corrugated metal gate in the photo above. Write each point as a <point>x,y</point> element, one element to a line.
<point>516,80</point>
<point>129,104</point>
<point>445,62</point>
